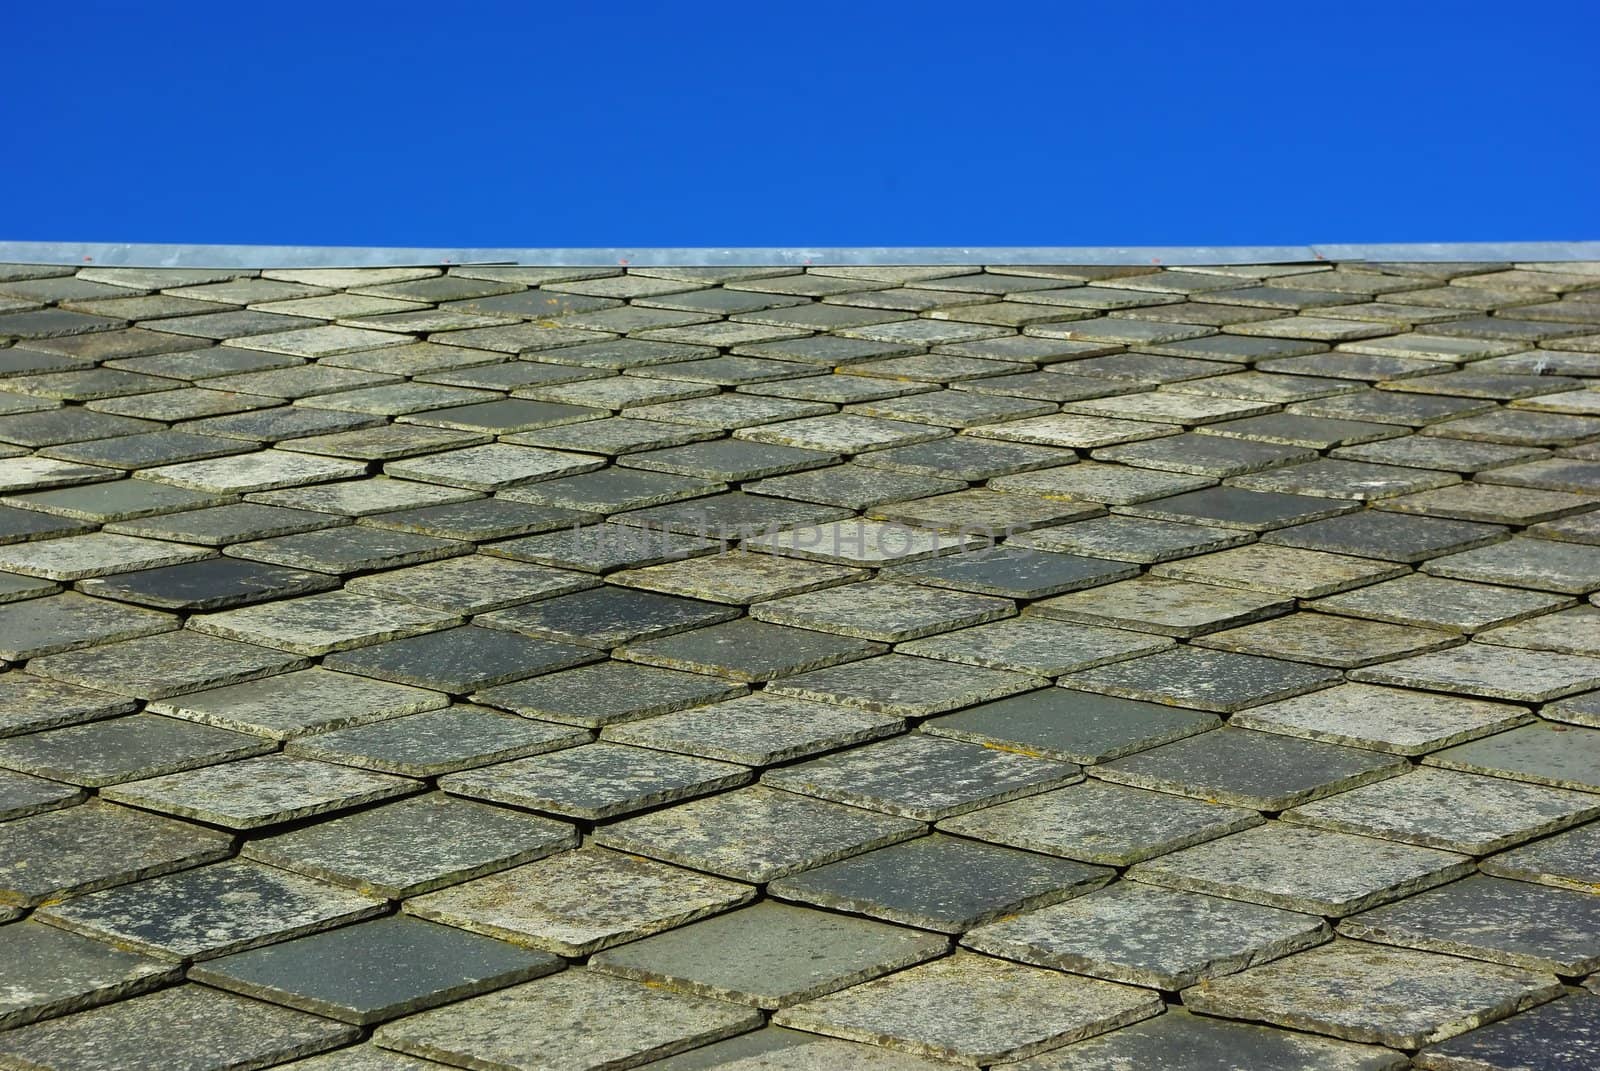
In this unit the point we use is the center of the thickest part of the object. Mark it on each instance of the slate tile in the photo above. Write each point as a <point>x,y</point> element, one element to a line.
<point>215,526</point>
<point>24,794</point>
<point>1515,923</point>
<point>350,974</point>
<point>1424,451</point>
<point>294,704</point>
<point>1205,455</point>
<point>54,973</point>
<point>558,1014</point>
<point>1387,536</point>
<point>256,792</point>
<point>611,436</point>
<point>734,515</point>
<point>965,458</point>
<point>1329,640</point>
<point>1458,812</point>
<point>595,781</point>
<point>123,749</point>
<point>1372,994</point>
<point>607,616</point>
<point>362,498</point>
<point>30,703</point>
<point>611,489</point>
<point>1394,720</point>
<point>1560,1032</point>
<point>437,742</point>
<point>1162,606</point>
<point>728,411</point>
<point>471,584</point>
<point>22,525</point>
<point>166,664</point>
<point>756,834</point>
<point>1231,507</point>
<point>1490,672</point>
<point>502,416</point>
<point>1070,726</point>
<point>755,730</point>
<point>1541,564</point>
<point>769,955</point>
<point>1017,572</point>
<point>1075,431</point>
<point>188,1026</point>
<point>1177,1040</point>
<point>981,512</point>
<point>883,610</point>
<point>600,548</point>
<point>940,883</point>
<point>1148,936</point>
<point>1493,503</point>
<point>800,1050</point>
<point>385,442</point>
<point>264,470</point>
<point>1569,860</point>
<point>115,500</point>
<point>207,584</point>
<point>39,473</point>
<point>14,587</point>
<point>944,409</point>
<point>1297,868</point>
<point>748,650</point>
<point>68,621</point>
<point>903,685</point>
<point>1038,1010</point>
<point>460,660</point>
<point>1431,602</point>
<point>922,777</point>
<point>413,846</point>
<point>277,424</point>
<point>478,519</point>
<point>491,467</point>
<point>578,902</point>
<point>1131,539</point>
<point>1578,710</point>
<point>1541,754</point>
<point>348,550</point>
<point>1303,574</point>
<point>855,433</point>
<point>320,624</point>
<point>1218,681</point>
<point>194,914</point>
<point>607,693</point>
<point>95,554</point>
<point>859,541</point>
<point>736,577</point>
<point>1035,644</point>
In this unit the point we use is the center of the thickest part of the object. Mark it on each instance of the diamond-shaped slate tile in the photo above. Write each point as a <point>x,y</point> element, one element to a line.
<point>974,1010</point>
<point>1386,536</point>
<point>513,1027</point>
<point>1372,994</point>
<point>769,955</point>
<point>460,660</point>
<point>1433,602</point>
<point>166,664</point>
<point>755,730</point>
<point>736,577</point>
<point>375,971</point>
<point>1396,720</point>
<point>320,624</point>
<point>1447,809</point>
<point>1561,1034</point>
<point>608,692</point>
<point>1317,871</point>
<point>208,584</point>
<point>1035,644</point>
<point>884,611</point>
<point>607,616</point>
<point>1163,606</point>
<point>124,749</point>
<point>30,703</point>
<point>1143,935</point>
<point>251,793</point>
<point>748,650</point>
<point>437,742</point>
<point>922,777</point>
<point>1015,572</point>
<point>903,685</point>
<point>197,914</point>
<point>95,554</point>
<point>940,883</point>
<point>1219,681</point>
<point>1490,672</point>
<point>95,846</point>
<point>190,1027</point>
<point>24,794</point>
<point>1070,726</point>
<point>1542,754</point>
<point>414,846</point>
<point>53,972</point>
<point>292,704</point>
<point>1231,507</point>
<point>596,781</point>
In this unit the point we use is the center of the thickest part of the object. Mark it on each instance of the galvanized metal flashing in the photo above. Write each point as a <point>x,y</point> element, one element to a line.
<point>115,254</point>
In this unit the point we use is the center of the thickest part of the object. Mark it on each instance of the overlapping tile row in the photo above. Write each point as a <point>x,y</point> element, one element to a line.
<point>885,668</point>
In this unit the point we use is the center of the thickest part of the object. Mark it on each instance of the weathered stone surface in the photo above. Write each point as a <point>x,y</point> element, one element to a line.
<point>599,780</point>
<point>982,1010</point>
<point>30,703</point>
<point>375,971</point>
<point>1491,672</point>
<point>190,1027</point>
<point>755,730</point>
<point>414,846</point>
<point>903,685</point>
<point>797,1051</point>
<point>1512,922</point>
<point>514,1029</point>
<point>251,793</point>
<point>50,972</point>
<point>293,704</point>
<point>1396,720</point>
<point>1179,1041</point>
<point>95,846</point>
<point>1148,936</point>
<point>607,616</point>
<point>24,794</point>
<point>1102,823</point>
<point>748,650</point>
<point>1165,607</point>
<point>1070,726</point>
<point>320,624</point>
<point>1560,1034</point>
<point>1569,860</point>
<point>107,752</point>
<point>1460,812</point>
<point>940,883</point>
<point>1542,754</point>
<point>1301,869</point>
<point>197,914</point>
<point>1219,681</point>
<point>1372,994</point>
<point>579,902</point>
<point>922,777</point>
<point>756,834</point>
<point>166,664</point>
<point>770,955</point>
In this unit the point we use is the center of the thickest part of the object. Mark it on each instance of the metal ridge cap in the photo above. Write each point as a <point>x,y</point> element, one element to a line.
<point>177,255</point>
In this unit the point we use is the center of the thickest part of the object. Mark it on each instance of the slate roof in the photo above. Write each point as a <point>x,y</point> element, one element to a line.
<point>869,666</point>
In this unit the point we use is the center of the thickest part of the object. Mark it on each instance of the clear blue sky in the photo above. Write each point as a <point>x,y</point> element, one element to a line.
<point>708,123</point>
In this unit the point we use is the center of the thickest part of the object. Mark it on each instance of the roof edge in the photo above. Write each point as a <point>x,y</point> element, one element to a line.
<point>155,255</point>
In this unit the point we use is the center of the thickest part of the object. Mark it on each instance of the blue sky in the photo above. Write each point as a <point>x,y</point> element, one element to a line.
<point>823,123</point>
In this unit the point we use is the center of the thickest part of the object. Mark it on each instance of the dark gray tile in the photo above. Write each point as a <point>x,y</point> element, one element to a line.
<point>608,616</point>
<point>461,660</point>
<point>1071,726</point>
